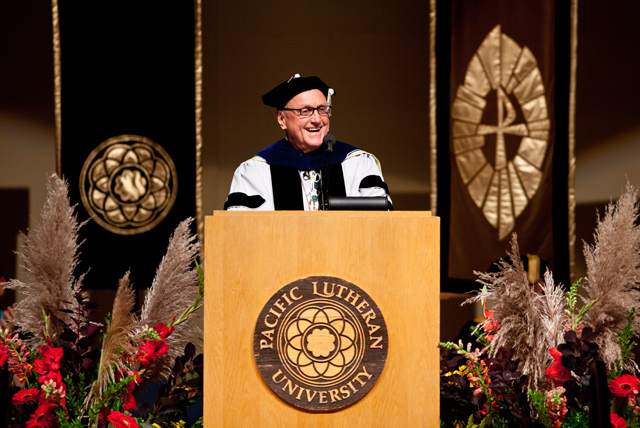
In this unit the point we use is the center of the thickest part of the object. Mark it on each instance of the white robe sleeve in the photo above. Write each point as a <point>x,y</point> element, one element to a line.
<point>253,178</point>
<point>356,167</point>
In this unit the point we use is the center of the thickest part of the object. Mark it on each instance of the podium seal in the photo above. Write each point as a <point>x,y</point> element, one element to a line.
<point>320,343</point>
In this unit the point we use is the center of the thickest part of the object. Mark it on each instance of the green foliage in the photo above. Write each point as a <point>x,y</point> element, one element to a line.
<point>538,401</point>
<point>626,344</point>
<point>492,420</point>
<point>449,424</point>
<point>447,345</point>
<point>68,423</point>
<point>572,295</point>
<point>576,420</point>
<point>633,423</point>
<point>112,398</point>
<point>572,299</point>
<point>484,423</point>
<point>77,391</point>
<point>107,322</point>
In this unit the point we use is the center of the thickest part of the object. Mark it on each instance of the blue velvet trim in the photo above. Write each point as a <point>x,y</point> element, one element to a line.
<point>283,153</point>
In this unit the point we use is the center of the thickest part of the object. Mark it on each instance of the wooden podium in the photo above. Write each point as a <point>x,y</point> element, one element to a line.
<point>392,256</point>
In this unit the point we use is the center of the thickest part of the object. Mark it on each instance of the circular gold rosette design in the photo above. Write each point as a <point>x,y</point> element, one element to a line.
<point>128,184</point>
<point>321,343</point>
<point>502,190</point>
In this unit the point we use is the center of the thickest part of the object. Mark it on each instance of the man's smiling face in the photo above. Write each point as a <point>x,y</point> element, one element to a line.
<point>305,133</point>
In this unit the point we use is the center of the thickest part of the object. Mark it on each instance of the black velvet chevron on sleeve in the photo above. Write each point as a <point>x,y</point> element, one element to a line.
<point>373,181</point>
<point>244,200</point>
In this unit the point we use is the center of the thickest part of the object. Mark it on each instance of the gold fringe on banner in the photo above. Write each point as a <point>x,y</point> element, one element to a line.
<point>572,140</point>
<point>57,83</point>
<point>433,136</point>
<point>198,89</point>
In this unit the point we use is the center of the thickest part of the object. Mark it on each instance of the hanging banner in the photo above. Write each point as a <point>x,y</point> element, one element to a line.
<point>128,85</point>
<point>503,158</point>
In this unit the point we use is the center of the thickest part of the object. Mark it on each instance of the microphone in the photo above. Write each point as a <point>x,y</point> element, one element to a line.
<point>353,203</point>
<point>329,140</point>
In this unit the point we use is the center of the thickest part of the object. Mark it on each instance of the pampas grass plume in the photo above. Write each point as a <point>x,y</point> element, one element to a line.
<point>174,289</point>
<point>553,305</point>
<point>515,308</point>
<point>50,257</point>
<point>613,274</point>
<point>117,336</point>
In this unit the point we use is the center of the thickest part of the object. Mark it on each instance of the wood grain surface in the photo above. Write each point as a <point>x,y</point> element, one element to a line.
<point>393,256</point>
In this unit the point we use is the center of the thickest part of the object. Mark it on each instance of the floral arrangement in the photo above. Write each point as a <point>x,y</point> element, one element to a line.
<point>537,360</point>
<point>71,371</point>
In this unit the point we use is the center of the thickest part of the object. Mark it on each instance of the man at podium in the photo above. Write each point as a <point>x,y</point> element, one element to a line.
<point>288,174</point>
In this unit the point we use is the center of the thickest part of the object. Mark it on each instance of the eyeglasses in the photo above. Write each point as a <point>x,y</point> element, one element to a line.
<point>308,111</point>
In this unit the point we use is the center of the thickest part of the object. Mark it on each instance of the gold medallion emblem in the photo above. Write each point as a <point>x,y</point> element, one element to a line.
<point>320,343</point>
<point>502,190</point>
<point>128,184</point>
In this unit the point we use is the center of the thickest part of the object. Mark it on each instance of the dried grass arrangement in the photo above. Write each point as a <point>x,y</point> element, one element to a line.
<point>539,357</point>
<point>72,371</point>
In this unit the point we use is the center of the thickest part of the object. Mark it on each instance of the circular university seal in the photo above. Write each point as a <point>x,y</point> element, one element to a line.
<point>320,343</point>
<point>128,184</point>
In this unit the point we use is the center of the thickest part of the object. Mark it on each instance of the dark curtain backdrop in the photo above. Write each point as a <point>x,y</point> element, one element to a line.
<point>128,137</point>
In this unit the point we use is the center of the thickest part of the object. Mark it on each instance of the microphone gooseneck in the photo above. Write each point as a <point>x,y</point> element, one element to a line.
<point>329,140</point>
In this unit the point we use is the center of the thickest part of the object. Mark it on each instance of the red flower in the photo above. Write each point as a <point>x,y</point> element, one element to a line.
<point>17,355</point>
<point>146,353</point>
<point>489,325</point>
<point>120,420</point>
<point>102,417</point>
<point>163,331</point>
<point>150,350</point>
<point>557,372</point>
<point>25,396</point>
<point>41,418</point>
<point>21,370</point>
<point>120,374</point>
<point>4,354</point>
<point>557,406</point>
<point>48,367</point>
<point>617,421</point>
<point>46,375</point>
<point>625,386</point>
<point>129,400</point>
<point>161,348</point>
<point>51,356</point>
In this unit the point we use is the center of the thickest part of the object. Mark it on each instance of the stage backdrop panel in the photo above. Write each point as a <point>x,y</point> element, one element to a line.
<point>128,132</point>
<point>503,137</point>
